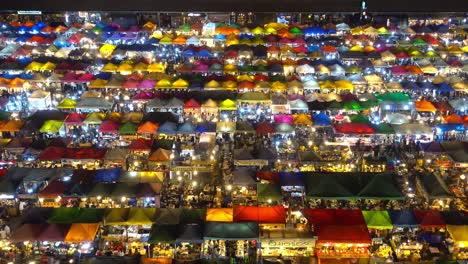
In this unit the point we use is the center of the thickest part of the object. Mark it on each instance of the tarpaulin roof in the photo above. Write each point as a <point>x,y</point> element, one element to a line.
<point>268,192</point>
<point>231,231</point>
<point>82,233</point>
<point>291,179</point>
<point>429,219</point>
<point>434,186</point>
<point>403,218</point>
<point>270,214</point>
<point>190,233</point>
<point>219,215</point>
<point>377,219</point>
<point>27,232</point>
<point>459,233</point>
<point>54,232</point>
<point>343,234</point>
<point>163,234</point>
<point>321,217</point>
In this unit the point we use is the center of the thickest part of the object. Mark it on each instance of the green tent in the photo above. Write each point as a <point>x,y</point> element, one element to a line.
<point>51,126</point>
<point>123,189</point>
<point>185,28</point>
<point>247,68</point>
<point>4,115</point>
<point>90,215</point>
<point>335,105</point>
<point>359,119</point>
<point>377,219</point>
<point>295,30</point>
<point>168,216</point>
<point>434,186</point>
<point>67,103</point>
<point>327,186</point>
<point>261,68</point>
<point>277,78</point>
<point>383,128</point>
<point>380,186</point>
<point>63,215</point>
<point>393,97</point>
<point>193,216</point>
<point>116,216</point>
<point>266,192</point>
<point>418,42</point>
<point>101,189</point>
<point>163,234</point>
<point>367,104</point>
<point>352,105</point>
<point>128,128</point>
<point>140,216</point>
<point>231,231</point>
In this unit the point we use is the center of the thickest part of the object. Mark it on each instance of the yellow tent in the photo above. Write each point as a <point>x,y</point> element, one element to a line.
<point>51,126</point>
<point>258,31</point>
<point>82,233</point>
<point>164,83</point>
<point>219,215</point>
<point>48,66</point>
<point>230,68</point>
<point>180,83</point>
<point>229,85</point>
<point>156,67</point>
<point>228,105</point>
<point>33,66</point>
<point>97,84</point>
<point>276,25</point>
<point>107,49</point>
<point>125,68</point>
<point>227,127</point>
<point>109,67</point>
<point>344,85</point>
<point>327,85</point>
<point>356,48</point>
<point>278,86</point>
<point>459,234</point>
<point>140,67</point>
<point>67,103</point>
<point>270,30</point>
<point>357,31</point>
<point>244,77</point>
<point>212,85</point>
<point>302,119</point>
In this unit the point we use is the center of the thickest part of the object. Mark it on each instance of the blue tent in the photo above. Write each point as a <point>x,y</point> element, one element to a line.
<point>321,120</point>
<point>152,41</point>
<point>220,37</point>
<point>445,88</point>
<point>204,53</point>
<point>450,127</point>
<point>186,128</point>
<point>403,218</point>
<point>291,179</point>
<point>188,53</point>
<point>245,36</point>
<point>314,48</point>
<point>107,175</point>
<point>168,128</point>
<point>314,31</point>
<point>426,86</point>
<point>206,127</point>
<point>23,38</point>
<point>411,86</point>
<point>104,75</point>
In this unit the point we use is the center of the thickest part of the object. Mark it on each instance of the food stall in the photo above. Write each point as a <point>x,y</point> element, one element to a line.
<point>404,241</point>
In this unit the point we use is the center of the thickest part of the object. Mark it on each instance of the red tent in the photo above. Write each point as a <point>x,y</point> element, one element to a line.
<point>54,189</point>
<point>109,127</point>
<point>270,176</point>
<point>85,153</point>
<point>353,128</point>
<point>245,85</point>
<point>75,119</point>
<point>429,219</point>
<point>334,217</point>
<point>343,234</point>
<point>54,232</point>
<point>27,232</point>
<point>270,214</point>
<point>260,77</point>
<point>192,103</point>
<point>52,153</point>
<point>264,128</point>
<point>141,144</point>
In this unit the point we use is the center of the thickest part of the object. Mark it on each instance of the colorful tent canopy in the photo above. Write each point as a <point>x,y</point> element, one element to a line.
<point>219,215</point>
<point>271,214</point>
<point>231,231</point>
<point>357,234</point>
<point>79,233</point>
<point>377,219</point>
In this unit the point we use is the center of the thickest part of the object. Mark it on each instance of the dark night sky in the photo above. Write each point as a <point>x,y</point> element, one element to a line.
<point>397,6</point>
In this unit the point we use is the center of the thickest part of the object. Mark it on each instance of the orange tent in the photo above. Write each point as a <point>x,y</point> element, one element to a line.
<point>412,69</point>
<point>160,155</point>
<point>219,214</point>
<point>451,119</point>
<point>328,49</point>
<point>148,128</point>
<point>425,106</point>
<point>12,126</point>
<point>82,233</point>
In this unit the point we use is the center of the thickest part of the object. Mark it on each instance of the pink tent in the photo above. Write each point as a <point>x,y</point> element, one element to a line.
<point>109,127</point>
<point>143,96</point>
<point>87,77</point>
<point>200,68</point>
<point>284,119</point>
<point>398,70</point>
<point>70,77</point>
<point>147,84</point>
